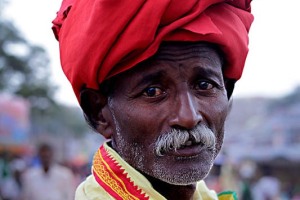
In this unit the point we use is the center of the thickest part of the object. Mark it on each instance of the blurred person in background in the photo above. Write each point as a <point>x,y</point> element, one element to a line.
<point>5,175</point>
<point>11,169</point>
<point>267,187</point>
<point>247,172</point>
<point>48,181</point>
<point>155,78</point>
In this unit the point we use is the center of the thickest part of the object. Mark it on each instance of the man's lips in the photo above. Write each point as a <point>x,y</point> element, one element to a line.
<point>189,149</point>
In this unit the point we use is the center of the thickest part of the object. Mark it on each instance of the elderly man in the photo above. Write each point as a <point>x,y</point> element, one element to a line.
<point>154,78</point>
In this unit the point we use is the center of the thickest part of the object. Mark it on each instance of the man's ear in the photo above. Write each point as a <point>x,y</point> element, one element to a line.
<point>96,111</point>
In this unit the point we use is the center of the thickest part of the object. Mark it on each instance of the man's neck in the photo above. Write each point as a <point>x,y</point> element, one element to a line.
<point>169,191</point>
<point>46,168</point>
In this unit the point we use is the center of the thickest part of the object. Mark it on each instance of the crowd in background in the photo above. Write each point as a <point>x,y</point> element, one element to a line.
<point>39,176</point>
<point>253,181</point>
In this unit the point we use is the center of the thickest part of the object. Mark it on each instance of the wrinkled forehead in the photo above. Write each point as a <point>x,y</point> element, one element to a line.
<point>179,51</point>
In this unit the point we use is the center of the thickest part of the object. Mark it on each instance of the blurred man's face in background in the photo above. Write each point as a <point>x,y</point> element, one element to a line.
<point>46,157</point>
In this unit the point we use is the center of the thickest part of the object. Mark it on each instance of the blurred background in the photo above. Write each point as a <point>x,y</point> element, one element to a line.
<point>262,142</point>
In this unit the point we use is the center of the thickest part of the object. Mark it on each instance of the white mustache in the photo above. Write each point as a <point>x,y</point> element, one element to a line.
<point>176,138</point>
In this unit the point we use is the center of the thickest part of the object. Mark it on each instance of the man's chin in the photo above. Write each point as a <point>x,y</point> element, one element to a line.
<point>181,171</point>
<point>181,177</point>
<point>183,183</point>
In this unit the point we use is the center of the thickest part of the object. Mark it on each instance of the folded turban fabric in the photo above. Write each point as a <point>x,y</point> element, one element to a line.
<point>101,38</point>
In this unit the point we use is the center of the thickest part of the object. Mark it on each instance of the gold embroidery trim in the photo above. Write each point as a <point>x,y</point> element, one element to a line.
<point>99,165</point>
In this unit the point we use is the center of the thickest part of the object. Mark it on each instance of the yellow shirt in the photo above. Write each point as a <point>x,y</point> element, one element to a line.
<point>113,178</point>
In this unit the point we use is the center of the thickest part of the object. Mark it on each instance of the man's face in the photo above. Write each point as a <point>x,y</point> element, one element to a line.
<point>168,114</point>
<point>45,155</point>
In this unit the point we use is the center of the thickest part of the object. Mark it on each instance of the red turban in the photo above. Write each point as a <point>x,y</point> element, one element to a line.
<point>101,38</point>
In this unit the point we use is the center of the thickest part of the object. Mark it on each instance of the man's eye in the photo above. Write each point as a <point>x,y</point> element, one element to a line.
<point>204,85</point>
<point>152,92</point>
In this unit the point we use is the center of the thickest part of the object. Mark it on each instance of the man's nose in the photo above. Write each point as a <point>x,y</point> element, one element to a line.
<point>186,115</point>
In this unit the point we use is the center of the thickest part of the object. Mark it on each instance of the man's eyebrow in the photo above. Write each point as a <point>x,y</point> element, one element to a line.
<point>207,72</point>
<point>151,77</point>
